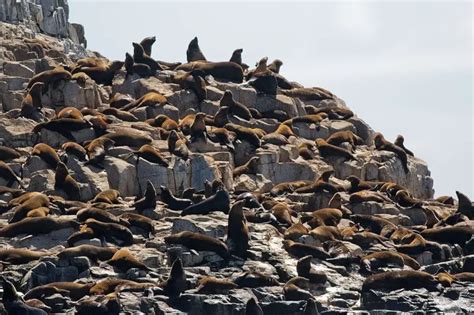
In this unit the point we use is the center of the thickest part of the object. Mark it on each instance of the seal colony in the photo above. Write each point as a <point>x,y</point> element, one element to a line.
<point>198,180</point>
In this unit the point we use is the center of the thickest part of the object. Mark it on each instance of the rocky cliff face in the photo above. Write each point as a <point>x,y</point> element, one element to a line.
<point>369,218</point>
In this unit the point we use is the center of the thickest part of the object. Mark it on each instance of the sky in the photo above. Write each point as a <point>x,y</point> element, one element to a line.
<point>403,67</point>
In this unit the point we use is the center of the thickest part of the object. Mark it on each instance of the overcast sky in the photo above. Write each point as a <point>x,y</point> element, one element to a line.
<point>405,68</point>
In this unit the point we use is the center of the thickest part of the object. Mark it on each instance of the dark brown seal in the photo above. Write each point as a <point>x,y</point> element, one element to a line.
<point>139,56</point>
<point>301,250</point>
<point>75,149</point>
<point>235,108</point>
<point>402,279</point>
<point>19,256</point>
<point>226,71</point>
<point>73,289</point>
<point>177,146</point>
<point>95,253</point>
<point>194,53</point>
<point>326,150</point>
<point>176,282</point>
<point>399,141</point>
<point>8,174</point>
<point>304,269</point>
<point>237,230</point>
<point>149,199</point>
<point>173,202</point>
<point>220,201</point>
<point>65,182</point>
<point>199,242</point>
<point>31,104</point>
<point>382,144</point>
<point>35,226</point>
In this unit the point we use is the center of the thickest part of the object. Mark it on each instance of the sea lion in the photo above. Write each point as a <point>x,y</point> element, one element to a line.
<point>98,305</point>
<point>447,200</point>
<point>75,149</point>
<point>293,289</point>
<point>176,282</point>
<point>149,199</point>
<point>63,126</point>
<point>173,202</point>
<point>328,216</point>
<point>399,142</point>
<point>248,168</point>
<point>20,256</point>
<point>301,250</point>
<point>97,214</point>
<point>319,185</point>
<point>237,58</point>
<point>367,195</point>
<point>120,114</point>
<point>139,221</point>
<point>295,231</point>
<point>358,184</point>
<point>198,128</point>
<point>139,56</point>
<point>381,259</point>
<point>199,242</point>
<point>124,260</point>
<point>97,150</point>
<point>326,150</point>
<point>109,285</point>
<point>325,233</point>
<point>50,77</point>
<point>304,269</point>
<point>413,244</point>
<point>285,131</point>
<point>263,80</point>
<point>213,285</point>
<point>382,144</point>
<point>120,100</point>
<point>449,234</point>
<point>147,44</point>
<point>465,205</point>
<point>74,290</point>
<point>141,69</point>
<point>404,199</point>
<point>125,138</point>
<point>237,230</point>
<point>402,279</point>
<point>36,226</point>
<point>244,134</point>
<point>70,112</point>
<point>305,150</point>
<point>275,65</point>
<point>192,80</point>
<point>7,154</point>
<point>147,100</point>
<point>252,307</point>
<point>225,71</point>
<point>65,182</point>
<point>235,108</point>
<point>336,113</point>
<point>194,53</point>
<point>177,146</point>
<point>151,154</point>
<point>14,303</point>
<point>220,201</point>
<point>340,137</point>
<point>164,122</point>
<point>47,154</point>
<point>22,210</point>
<point>103,73</point>
<point>287,187</point>
<point>255,279</point>
<point>282,213</point>
<point>95,253</point>
<point>111,231</point>
<point>31,103</point>
<point>8,175</point>
<point>222,136</point>
<point>110,196</point>
<point>309,94</point>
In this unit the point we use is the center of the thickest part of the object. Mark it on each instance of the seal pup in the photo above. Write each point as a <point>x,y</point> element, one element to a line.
<point>237,230</point>
<point>220,201</point>
<point>194,53</point>
<point>382,144</point>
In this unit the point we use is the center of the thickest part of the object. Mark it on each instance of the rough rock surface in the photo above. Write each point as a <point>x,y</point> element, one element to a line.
<point>24,53</point>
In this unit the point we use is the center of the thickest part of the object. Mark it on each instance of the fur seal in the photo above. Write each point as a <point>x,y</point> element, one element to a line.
<point>110,285</point>
<point>248,168</point>
<point>399,142</point>
<point>237,58</point>
<point>402,279</point>
<point>325,233</point>
<point>139,221</point>
<point>139,56</point>
<point>19,256</point>
<point>304,269</point>
<point>326,150</point>
<point>198,128</point>
<point>328,216</point>
<point>263,80</point>
<point>23,210</point>
<point>226,71</point>
<point>8,174</point>
<point>340,137</point>
<point>237,230</point>
<point>172,202</point>
<point>176,282</point>
<point>382,144</point>
<point>404,199</point>
<point>358,184</point>
<point>97,214</point>
<point>147,44</point>
<point>97,150</point>
<point>367,195</point>
<point>235,108</point>
<point>50,77</point>
<point>381,259</point>
<point>73,289</point>
<point>149,99</point>
<point>309,94</point>
<point>449,234</point>
<point>192,80</point>
<point>199,242</point>
<point>252,307</point>
<point>31,103</point>
<point>301,250</point>
<point>295,231</point>
<point>64,126</point>
<point>47,154</point>
<point>13,302</point>
<point>293,289</point>
<point>465,205</point>
<point>222,136</point>
<point>194,53</point>
<point>447,200</point>
<point>111,231</point>
<point>164,122</point>
<point>141,69</point>
<point>287,187</point>
<point>220,201</point>
<point>177,146</point>
<point>152,155</point>
<point>75,149</point>
<point>255,279</point>
<point>103,73</point>
<point>36,226</point>
<point>7,154</point>
<point>64,181</point>
<point>244,134</point>
<point>120,114</point>
<point>319,185</point>
<point>148,201</point>
<point>124,138</point>
<point>124,260</point>
<point>70,112</point>
<point>275,65</point>
<point>213,285</point>
<point>110,196</point>
<point>95,253</point>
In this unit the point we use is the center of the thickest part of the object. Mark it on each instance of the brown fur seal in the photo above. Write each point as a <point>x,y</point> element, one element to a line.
<point>70,112</point>
<point>285,131</point>
<point>382,144</point>
<point>325,233</point>
<point>64,126</point>
<point>381,259</point>
<point>199,242</point>
<point>98,214</point>
<point>13,303</point>
<point>358,184</point>
<point>111,231</point>
<point>75,290</point>
<point>109,285</point>
<point>244,134</point>
<point>220,201</point>
<point>295,231</point>
<point>287,187</point>
<point>149,99</point>
<point>237,230</point>
<point>172,202</point>
<point>194,53</point>
<point>337,113</point>
<point>148,201</point>
<point>110,196</point>
<point>275,65</point>
<point>192,80</point>
<point>198,128</point>
<point>326,150</point>
<point>282,213</point>
<point>237,58</point>
<point>450,234</point>
<point>31,104</point>
<point>50,77</point>
<point>300,250</point>
<point>465,205</point>
<point>120,114</point>
<point>95,253</point>
<point>319,185</point>
<point>404,199</point>
<point>64,181</point>
<point>75,149</point>
<point>177,146</point>
<point>139,221</point>
<point>124,138</point>
<point>327,216</point>
<point>47,154</point>
<point>304,269</point>
<point>101,74</point>
<point>263,80</point>
<point>20,256</point>
<point>248,168</point>
<point>139,56</point>
<point>309,94</point>
<point>141,69</point>
<point>120,100</point>
<point>235,108</point>
<point>35,226</point>
<point>152,155</point>
<point>340,137</point>
<point>226,71</point>
<point>213,285</point>
<point>402,279</point>
<point>164,122</point>
<point>176,282</point>
<point>399,142</point>
<point>294,290</point>
<point>365,196</point>
<point>305,150</point>
<point>7,154</point>
<point>255,279</point>
<point>97,150</point>
<point>8,174</point>
<point>252,307</point>
<point>147,44</point>
<point>124,260</point>
<point>447,200</point>
<point>22,210</point>
<point>223,137</point>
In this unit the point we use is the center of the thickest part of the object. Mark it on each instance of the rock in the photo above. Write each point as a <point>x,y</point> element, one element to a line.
<point>17,69</point>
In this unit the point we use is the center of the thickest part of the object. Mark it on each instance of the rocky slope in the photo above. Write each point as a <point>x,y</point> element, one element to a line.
<point>279,193</point>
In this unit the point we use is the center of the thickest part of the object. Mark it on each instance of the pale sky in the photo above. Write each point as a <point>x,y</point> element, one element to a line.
<point>405,68</point>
